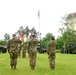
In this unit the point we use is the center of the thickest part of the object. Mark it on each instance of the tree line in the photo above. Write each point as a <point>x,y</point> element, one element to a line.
<point>67,33</point>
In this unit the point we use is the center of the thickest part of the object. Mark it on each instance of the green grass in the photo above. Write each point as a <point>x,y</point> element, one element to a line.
<point>65,65</point>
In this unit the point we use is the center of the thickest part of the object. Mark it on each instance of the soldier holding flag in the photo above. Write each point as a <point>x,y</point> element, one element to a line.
<point>24,47</point>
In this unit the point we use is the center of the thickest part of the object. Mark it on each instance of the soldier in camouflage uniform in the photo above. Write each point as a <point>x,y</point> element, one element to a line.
<point>19,50</point>
<point>32,46</point>
<point>52,52</point>
<point>24,48</point>
<point>28,45</point>
<point>12,47</point>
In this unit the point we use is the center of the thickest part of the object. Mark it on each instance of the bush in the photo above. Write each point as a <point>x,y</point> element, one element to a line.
<point>57,51</point>
<point>2,42</point>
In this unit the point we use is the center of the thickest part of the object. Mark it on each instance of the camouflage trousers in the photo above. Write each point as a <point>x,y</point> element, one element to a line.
<point>13,57</point>
<point>32,56</point>
<point>23,54</point>
<point>51,58</point>
<point>24,51</point>
<point>19,53</point>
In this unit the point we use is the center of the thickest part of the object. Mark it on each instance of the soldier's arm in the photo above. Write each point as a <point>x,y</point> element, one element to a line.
<point>48,47</point>
<point>37,42</point>
<point>19,41</point>
<point>8,46</point>
<point>28,46</point>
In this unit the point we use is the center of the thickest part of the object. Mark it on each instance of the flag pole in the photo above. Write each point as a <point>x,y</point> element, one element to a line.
<point>39,22</point>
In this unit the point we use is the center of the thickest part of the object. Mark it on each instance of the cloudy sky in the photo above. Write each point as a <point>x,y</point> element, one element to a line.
<point>16,13</point>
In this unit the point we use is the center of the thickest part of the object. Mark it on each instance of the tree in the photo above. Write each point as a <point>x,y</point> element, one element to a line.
<point>27,30</point>
<point>33,31</point>
<point>6,38</point>
<point>2,42</point>
<point>46,39</point>
<point>68,33</point>
<point>20,31</point>
<point>60,42</point>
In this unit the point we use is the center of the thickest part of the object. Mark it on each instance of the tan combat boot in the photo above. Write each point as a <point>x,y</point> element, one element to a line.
<point>14,67</point>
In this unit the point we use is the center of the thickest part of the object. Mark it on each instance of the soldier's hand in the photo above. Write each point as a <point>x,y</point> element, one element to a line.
<point>47,52</point>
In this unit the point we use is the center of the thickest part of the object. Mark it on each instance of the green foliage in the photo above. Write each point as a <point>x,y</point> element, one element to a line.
<point>60,42</point>
<point>68,33</point>
<point>65,65</point>
<point>27,31</point>
<point>2,42</point>
<point>57,51</point>
<point>46,39</point>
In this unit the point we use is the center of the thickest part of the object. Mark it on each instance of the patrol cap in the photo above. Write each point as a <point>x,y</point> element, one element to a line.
<point>52,38</point>
<point>33,34</point>
<point>13,35</point>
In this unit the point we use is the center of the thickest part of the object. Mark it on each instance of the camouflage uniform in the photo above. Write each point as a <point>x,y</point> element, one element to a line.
<point>12,47</point>
<point>19,50</point>
<point>24,48</point>
<point>32,46</point>
<point>51,53</point>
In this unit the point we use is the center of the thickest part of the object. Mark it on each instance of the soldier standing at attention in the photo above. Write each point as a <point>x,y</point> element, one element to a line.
<point>12,47</point>
<point>24,48</point>
<point>32,47</point>
<point>51,50</point>
<point>28,45</point>
<point>19,50</point>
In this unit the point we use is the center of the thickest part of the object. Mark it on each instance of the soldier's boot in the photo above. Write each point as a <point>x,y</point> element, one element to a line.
<point>52,67</point>
<point>15,67</point>
<point>12,67</point>
<point>23,55</point>
<point>32,67</point>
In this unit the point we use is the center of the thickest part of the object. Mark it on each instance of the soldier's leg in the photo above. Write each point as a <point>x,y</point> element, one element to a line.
<point>15,60</point>
<point>34,59</point>
<point>28,53</point>
<point>30,56</point>
<point>49,57</point>
<point>52,61</point>
<point>11,60</point>
<point>24,51</point>
<point>23,54</point>
<point>15,63</point>
<point>31,59</point>
<point>19,53</point>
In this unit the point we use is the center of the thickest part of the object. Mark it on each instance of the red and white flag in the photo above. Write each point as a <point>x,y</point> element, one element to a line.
<point>18,36</point>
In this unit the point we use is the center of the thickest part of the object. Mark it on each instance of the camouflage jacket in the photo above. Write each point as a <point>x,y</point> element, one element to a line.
<point>51,47</point>
<point>32,44</point>
<point>12,45</point>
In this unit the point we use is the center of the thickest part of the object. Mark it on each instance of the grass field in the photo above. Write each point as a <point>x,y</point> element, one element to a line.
<point>65,65</point>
